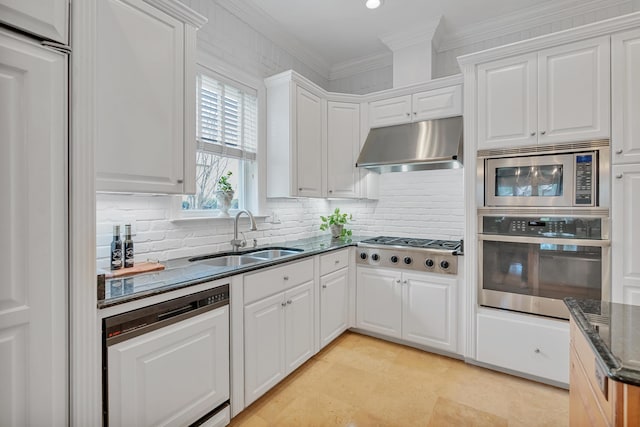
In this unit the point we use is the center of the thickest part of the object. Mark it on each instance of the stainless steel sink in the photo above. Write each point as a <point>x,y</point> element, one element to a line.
<point>275,253</point>
<point>231,260</point>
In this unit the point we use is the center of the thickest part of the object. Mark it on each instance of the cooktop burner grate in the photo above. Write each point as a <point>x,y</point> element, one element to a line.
<point>446,245</point>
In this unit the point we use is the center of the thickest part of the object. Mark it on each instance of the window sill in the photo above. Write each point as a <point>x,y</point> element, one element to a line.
<point>213,218</point>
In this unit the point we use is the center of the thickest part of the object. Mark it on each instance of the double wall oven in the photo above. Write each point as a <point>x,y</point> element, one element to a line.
<point>543,227</point>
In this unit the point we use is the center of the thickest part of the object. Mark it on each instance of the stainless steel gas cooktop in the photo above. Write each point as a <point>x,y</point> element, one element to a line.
<point>429,255</point>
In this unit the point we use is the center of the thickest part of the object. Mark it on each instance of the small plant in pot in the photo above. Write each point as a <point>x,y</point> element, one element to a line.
<point>224,194</point>
<point>336,222</point>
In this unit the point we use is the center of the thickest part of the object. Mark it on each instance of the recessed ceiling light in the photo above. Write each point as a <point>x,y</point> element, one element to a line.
<point>373,4</point>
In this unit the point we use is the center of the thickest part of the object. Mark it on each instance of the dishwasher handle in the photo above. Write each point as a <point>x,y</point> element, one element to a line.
<point>177,311</point>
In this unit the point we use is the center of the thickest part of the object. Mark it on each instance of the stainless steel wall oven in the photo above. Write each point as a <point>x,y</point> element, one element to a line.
<point>543,226</point>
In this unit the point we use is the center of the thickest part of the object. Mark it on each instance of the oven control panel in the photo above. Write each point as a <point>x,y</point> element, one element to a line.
<point>557,227</point>
<point>584,167</point>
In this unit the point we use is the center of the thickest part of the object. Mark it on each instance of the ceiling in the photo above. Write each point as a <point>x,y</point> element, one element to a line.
<point>339,31</point>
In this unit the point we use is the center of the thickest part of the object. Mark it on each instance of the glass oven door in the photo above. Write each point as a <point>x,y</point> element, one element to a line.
<point>534,274</point>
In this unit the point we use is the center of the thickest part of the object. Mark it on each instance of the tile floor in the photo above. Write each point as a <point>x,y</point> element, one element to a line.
<point>362,381</point>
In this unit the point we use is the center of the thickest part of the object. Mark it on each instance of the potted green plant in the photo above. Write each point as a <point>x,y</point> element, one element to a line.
<point>336,222</point>
<point>224,194</point>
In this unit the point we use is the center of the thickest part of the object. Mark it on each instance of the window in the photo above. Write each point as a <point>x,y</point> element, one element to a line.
<point>227,137</point>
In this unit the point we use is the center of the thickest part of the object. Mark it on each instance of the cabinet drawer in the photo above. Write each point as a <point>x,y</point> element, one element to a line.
<point>277,279</point>
<point>334,261</point>
<point>527,344</point>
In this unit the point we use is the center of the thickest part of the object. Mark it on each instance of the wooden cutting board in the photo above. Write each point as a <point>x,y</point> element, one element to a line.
<point>140,267</point>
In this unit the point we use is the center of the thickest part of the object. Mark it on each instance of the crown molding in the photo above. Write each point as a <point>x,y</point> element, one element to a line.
<point>412,36</point>
<point>263,23</point>
<point>522,20</point>
<point>180,11</point>
<point>361,65</point>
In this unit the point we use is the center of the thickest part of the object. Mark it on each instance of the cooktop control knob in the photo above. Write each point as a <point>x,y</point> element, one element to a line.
<point>444,265</point>
<point>429,263</point>
<point>407,260</point>
<point>375,257</point>
<point>394,259</point>
<point>363,255</point>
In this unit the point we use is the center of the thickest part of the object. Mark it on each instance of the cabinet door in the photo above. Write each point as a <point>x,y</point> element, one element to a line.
<point>334,300</point>
<point>437,103</point>
<point>625,97</point>
<point>573,92</point>
<point>429,311</point>
<point>379,301</point>
<point>308,144</point>
<point>139,98</point>
<point>392,111</point>
<point>299,336</point>
<point>343,145</point>
<point>507,102</point>
<point>46,18</point>
<point>625,234</point>
<point>33,218</point>
<point>171,376</point>
<point>263,346</point>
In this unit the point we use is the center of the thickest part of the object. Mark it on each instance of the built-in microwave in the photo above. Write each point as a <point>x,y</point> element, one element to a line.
<point>565,176</point>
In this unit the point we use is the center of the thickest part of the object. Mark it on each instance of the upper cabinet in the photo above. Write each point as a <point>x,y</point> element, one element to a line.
<point>343,146</point>
<point>296,138</point>
<point>625,97</point>
<point>145,96</point>
<point>48,19</point>
<point>431,104</point>
<point>560,94</point>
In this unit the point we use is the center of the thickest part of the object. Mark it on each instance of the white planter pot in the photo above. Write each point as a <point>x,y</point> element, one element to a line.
<point>224,199</point>
<point>336,230</point>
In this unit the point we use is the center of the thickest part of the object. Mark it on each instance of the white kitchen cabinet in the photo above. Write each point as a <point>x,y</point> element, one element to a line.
<point>625,234</point>
<point>146,371</point>
<point>416,307</point>
<point>529,344</point>
<point>296,137</point>
<point>343,148</point>
<point>379,301</point>
<point>428,310</point>
<point>431,104</point>
<point>334,308</point>
<point>556,95</point>
<point>46,18</point>
<point>278,329</point>
<point>625,97</point>
<point>33,222</point>
<point>145,96</point>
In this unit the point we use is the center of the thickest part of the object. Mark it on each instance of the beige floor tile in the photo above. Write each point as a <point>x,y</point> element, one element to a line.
<point>360,381</point>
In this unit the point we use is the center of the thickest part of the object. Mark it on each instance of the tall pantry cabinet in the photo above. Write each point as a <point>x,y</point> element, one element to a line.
<point>625,159</point>
<point>33,215</point>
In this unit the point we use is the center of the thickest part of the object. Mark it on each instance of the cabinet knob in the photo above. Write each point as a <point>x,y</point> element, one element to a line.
<point>408,114</point>
<point>619,176</point>
<point>179,181</point>
<point>330,191</point>
<point>324,286</point>
<point>619,151</point>
<point>404,282</point>
<point>397,280</point>
<point>533,134</point>
<point>289,301</point>
<point>284,304</point>
<point>337,261</point>
<point>286,277</point>
<point>542,132</point>
<point>537,350</point>
<point>300,189</point>
<point>415,113</point>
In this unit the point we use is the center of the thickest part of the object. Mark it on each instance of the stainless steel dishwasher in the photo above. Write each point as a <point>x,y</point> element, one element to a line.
<point>168,364</point>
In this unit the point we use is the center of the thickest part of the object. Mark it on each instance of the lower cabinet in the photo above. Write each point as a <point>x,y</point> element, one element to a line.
<point>416,307</point>
<point>278,336</point>
<point>529,344</point>
<point>334,306</point>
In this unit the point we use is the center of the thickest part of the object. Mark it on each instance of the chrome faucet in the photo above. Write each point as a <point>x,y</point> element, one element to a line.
<point>237,243</point>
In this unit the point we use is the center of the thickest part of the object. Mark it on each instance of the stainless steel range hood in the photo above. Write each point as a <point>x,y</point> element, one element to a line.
<point>430,144</point>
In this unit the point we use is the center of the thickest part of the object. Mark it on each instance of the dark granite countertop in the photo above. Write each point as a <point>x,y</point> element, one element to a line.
<point>613,331</point>
<point>180,273</point>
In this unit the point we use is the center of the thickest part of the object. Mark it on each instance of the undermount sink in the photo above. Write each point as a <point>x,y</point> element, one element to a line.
<point>231,260</point>
<point>249,257</point>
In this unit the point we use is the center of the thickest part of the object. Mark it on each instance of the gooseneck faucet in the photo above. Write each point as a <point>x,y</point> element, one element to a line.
<point>237,243</point>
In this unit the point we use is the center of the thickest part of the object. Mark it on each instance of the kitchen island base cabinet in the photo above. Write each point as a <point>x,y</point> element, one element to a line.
<point>533,345</point>
<point>418,308</point>
<point>279,337</point>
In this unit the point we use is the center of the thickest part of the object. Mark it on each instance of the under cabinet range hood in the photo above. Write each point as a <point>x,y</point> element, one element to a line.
<point>430,144</point>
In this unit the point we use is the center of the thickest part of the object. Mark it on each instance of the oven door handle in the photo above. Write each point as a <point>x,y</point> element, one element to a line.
<point>542,240</point>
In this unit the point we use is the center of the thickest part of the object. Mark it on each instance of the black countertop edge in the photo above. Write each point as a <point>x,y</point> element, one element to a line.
<point>310,247</point>
<point>613,367</point>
